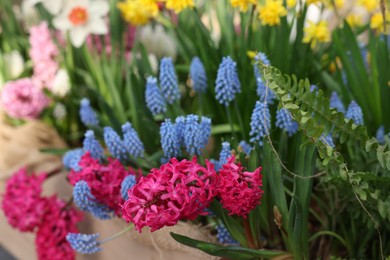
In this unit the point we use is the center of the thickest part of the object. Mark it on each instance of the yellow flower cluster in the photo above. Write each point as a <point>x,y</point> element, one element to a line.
<point>179,5</point>
<point>242,4</point>
<point>270,13</point>
<point>308,2</point>
<point>354,20</point>
<point>138,12</point>
<point>316,33</point>
<point>378,25</point>
<point>370,5</point>
<point>291,3</point>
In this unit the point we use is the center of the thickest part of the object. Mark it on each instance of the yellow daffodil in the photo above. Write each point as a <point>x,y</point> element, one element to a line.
<point>335,3</point>
<point>308,2</point>
<point>370,5</point>
<point>377,23</point>
<point>270,13</point>
<point>138,12</point>
<point>179,5</point>
<point>291,3</point>
<point>354,20</point>
<point>242,4</point>
<point>316,33</point>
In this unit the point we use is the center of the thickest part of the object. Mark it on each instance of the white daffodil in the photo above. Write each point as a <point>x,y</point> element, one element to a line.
<point>61,84</point>
<point>14,64</point>
<point>81,18</point>
<point>52,6</point>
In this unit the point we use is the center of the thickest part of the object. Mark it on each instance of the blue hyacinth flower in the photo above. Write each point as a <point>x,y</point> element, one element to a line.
<point>285,121</point>
<point>114,144</point>
<point>380,135</point>
<point>198,75</point>
<point>260,123</point>
<point>224,237</point>
<point>170,141</point>
<point>84,243</point>
<point>168,81</point>
<point>87,116</point>
<point>86,201</point>
<point>128,182</point>
<point>132,142</point>
<point>355,113</point>
<point>227,84</point>
<point>93,146</point>
<point>154,99</point>
<point>335,102</point>
<point>71,159</point>
<point>245,147</point>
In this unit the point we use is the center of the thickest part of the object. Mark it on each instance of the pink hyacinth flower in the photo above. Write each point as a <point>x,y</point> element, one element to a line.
<point>239,191</point>
<point>22,100</point>
<point>175,191</point>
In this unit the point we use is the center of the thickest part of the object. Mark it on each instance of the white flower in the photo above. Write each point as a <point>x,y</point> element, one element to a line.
<point>52,6</point>
<point>157,41</point>
<point>61,84</point>
<point>59,111</point>
<point>14,64</point>
<point>82,17</point>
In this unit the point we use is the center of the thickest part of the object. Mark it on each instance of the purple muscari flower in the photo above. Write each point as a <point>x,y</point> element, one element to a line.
<point>204,131</point>
<point>227,84</point>
<point>262,90</point>
<point>86,201</point>
<point>198,75</point>
<point>114,144</point>
<point>224,236</point>
<point>191,135</point>
<point>245,147</point>
<point>128,182</point>
<point>71,159</point>
<point>327,139</point>
<point>84,243</point>
<point>355,113</point>
<point>380,135</point>
<point>336,103</point>
<point>92,145</point>
<point>170,141</point>
<point>87,115</point>
<point>168,81</point>
<point>154,99</point>
<point>285,121</point>
<point>131,141</point>
<point>260,123</point>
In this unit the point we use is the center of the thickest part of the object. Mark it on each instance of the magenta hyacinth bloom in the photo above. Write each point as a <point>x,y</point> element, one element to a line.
<point>175,191</point>
<point>22,100</point>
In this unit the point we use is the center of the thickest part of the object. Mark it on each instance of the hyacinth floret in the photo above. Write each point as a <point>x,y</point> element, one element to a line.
<point>260,123</point>
<point>154,99</point>
<point>170,141</point>
<point>92,145</point>
<point>191,134</point>
<point>285,121</point>
<point>355,113</point>
<point>245,147</point>
<point>198,75</point>
<point>224,237</point>
<point>85,200</point>
<point>380,135</point>
<point>168,81</point>
<point>227,83</point>
<point>335,102</point>
<point>132,142</point>
<point>175,191</point>
<point>239,191</point>
<point>126,185</point>
<point>84,243</point>
<point>204,131</point>
<point>115,144</point>
<point>71,159</point>
<point>87,116</point>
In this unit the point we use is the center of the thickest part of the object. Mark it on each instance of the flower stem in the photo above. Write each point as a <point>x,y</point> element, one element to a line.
<point>231,122</point>
<point>116,235</point>
<point>240,120</point>
<point>248,234</point>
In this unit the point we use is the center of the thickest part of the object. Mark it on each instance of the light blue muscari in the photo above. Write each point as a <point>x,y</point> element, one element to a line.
<point>170,140</point>
<point>154,99</point>
<point>285,121</point>
<point>335,102</point>
<point>246,148</point>
<point>92,145</point>
<point>132,141</point>
<point>71,159</point>
<point>115,144</point>
<point>224,237</point>
<point>227,83</point>
<point>260,123</point>
<point>87,116</point>
<point>84,243</point>
<point>128,182</point>
<point>168,81</point>
<point>355,113</point>
<point>198,76</point>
